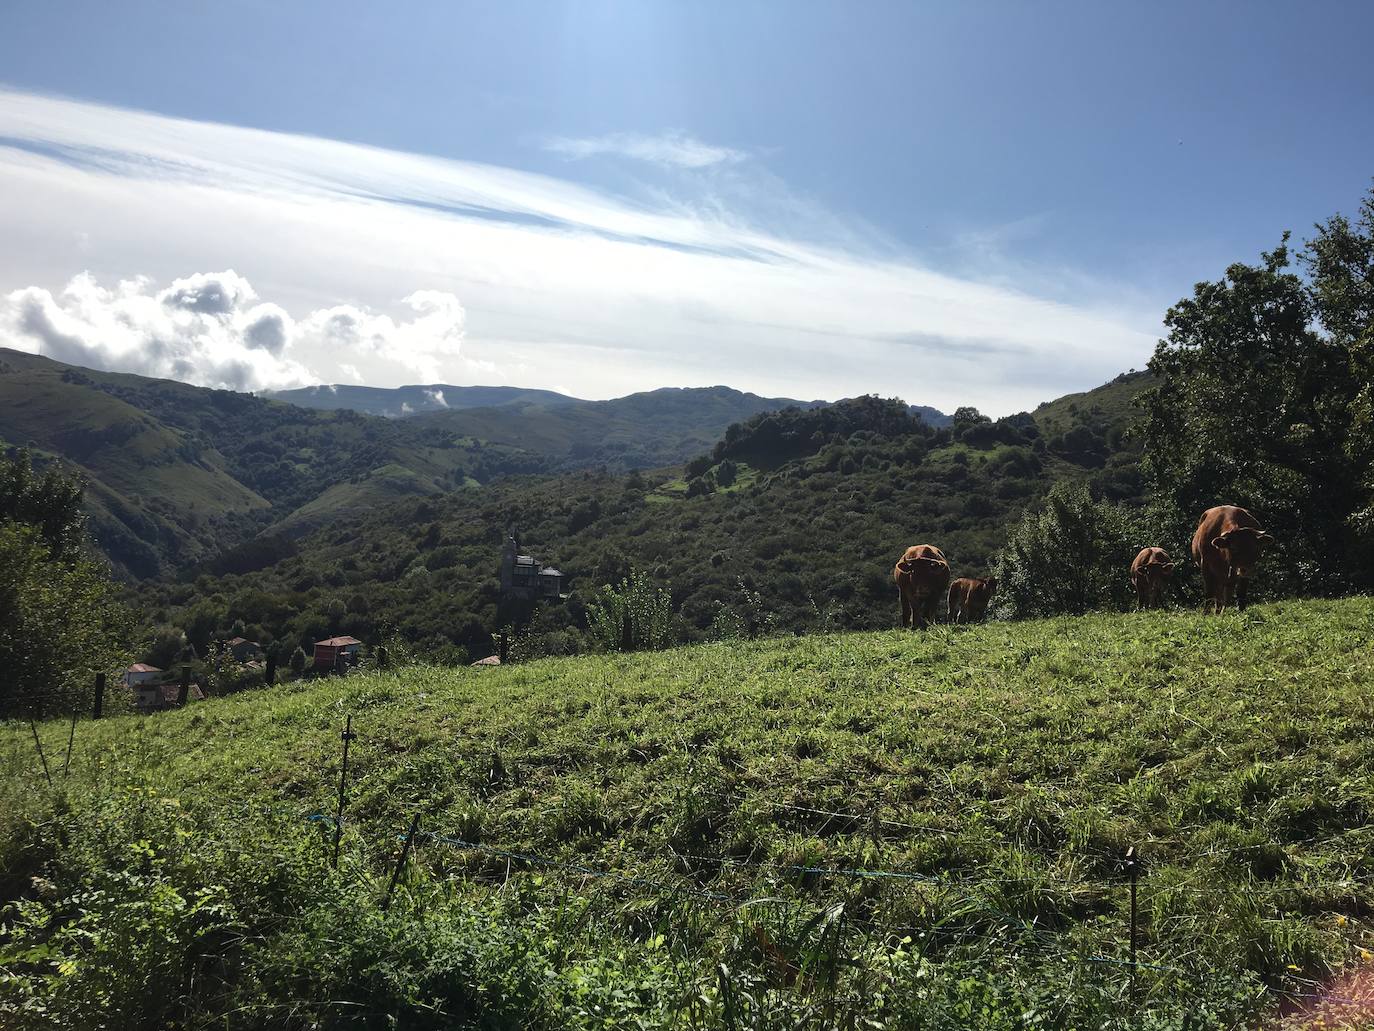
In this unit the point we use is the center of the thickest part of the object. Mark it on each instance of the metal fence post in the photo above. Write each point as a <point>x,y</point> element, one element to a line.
<point>99,706</point>
<point>347,736</point>
<point>401,861</point>
<point>39,745</point>
<point>71,738</point>
<point>1133,868</point>
<point>184,688</point>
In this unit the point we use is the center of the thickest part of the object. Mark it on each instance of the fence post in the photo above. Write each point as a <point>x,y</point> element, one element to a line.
<point>39,745</point>
<point>1133,868</point>
<point>401,861</point>
<point>269,675</point>
<point>99,705</point>
<point>502,648</point>
<point>71,738</point>
<point>383,659</point>
<point>184,688</point>
<point>347,736</point>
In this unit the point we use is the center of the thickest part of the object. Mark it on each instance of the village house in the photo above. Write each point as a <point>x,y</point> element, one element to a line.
<point>333,652</point>
<point>523,577</point>
<point>242,650</point>
<point>140,673</point>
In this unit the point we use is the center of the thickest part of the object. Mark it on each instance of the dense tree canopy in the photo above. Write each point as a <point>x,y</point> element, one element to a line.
<point>1263,400</point>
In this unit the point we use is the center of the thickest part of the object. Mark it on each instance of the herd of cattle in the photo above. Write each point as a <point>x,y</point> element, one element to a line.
<point>1226,545</point>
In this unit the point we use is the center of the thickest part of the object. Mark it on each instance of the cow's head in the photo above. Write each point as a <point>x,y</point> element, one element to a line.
<point>988,585</point>
<point>1242,547</point>
<point>1158,572</point>
<point>906,565</point>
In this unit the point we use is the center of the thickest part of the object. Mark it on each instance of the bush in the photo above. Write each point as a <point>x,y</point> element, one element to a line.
<point>1072,556</point>
<point>638,614</point>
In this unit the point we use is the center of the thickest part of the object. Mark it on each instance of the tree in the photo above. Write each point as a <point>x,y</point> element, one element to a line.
<point>60,621</point>
<point>50,502</point>
<point>298,659</point>
<point>1070,557</point>
<point>1263,401</point>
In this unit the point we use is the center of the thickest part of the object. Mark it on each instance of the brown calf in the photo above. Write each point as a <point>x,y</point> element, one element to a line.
<point>1150,572</point>
<point>922,574</point>
<point>969,597</point>
<point>1227,544</point>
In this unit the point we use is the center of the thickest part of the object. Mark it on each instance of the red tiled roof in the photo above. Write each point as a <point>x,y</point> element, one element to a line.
<point>142,667</point>
<point>335,642</point>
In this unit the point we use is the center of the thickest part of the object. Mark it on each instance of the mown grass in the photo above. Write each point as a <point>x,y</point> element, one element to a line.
<point>861,830</point>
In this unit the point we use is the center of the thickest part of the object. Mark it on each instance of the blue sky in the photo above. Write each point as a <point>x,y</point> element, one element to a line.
<point>1019,189</point>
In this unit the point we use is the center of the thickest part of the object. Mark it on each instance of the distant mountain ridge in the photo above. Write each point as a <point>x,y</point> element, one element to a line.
<point>179,475</point>
<point>425,399</point>
<point>414,399</point>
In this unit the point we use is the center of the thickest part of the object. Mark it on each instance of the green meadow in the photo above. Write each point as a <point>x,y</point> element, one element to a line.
<point>864,830</point>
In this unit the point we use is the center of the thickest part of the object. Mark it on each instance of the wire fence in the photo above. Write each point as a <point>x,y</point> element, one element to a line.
<point>981,924</point>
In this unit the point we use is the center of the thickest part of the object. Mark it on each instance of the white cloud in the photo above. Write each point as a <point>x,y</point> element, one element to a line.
<point>677,149</point>
<point>206,329</point>
<point>560,284</point>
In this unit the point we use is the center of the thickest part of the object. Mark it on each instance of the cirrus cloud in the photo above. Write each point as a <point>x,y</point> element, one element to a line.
<point>728,279</point>
<point>676,148</point>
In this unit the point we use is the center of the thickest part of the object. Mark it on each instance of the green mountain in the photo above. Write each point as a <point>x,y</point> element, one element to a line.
<point>177,474</point>
<point>181,476</point>
<point>791,520</point>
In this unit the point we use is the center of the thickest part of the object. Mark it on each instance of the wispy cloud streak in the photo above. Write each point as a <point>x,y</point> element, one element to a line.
<point>560,283</point>
<point>673,149</point>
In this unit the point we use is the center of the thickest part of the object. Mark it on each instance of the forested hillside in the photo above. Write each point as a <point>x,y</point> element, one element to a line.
<point>791,522</point>
<point>179,476</point>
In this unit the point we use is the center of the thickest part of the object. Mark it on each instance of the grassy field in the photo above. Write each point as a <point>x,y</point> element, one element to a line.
<point>862,831</point>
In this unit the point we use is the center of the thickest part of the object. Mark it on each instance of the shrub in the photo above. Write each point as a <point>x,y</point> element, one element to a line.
<point>1070,557</point>
<point>637,614</point>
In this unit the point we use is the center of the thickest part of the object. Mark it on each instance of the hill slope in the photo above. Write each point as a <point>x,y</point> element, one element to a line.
<point>893,829</point>
<point>793,520</point>
<point>178,475</point>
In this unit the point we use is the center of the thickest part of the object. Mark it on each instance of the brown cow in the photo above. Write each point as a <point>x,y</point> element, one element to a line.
<point>969,597</point>
<point>922,575</point>
<point>1150,572</point>
<point>1227,544</point>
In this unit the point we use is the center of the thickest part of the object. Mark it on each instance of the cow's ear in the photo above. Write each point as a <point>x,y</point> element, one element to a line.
<point>1219,542</point>
<point>991,582</point>
<point>1265,536</point>
<point>1168,567</point>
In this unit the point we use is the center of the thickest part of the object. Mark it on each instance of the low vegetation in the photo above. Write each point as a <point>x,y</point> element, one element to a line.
<point>860,830</point>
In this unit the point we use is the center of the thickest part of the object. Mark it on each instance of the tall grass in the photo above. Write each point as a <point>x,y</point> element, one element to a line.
<point>868,830</point>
